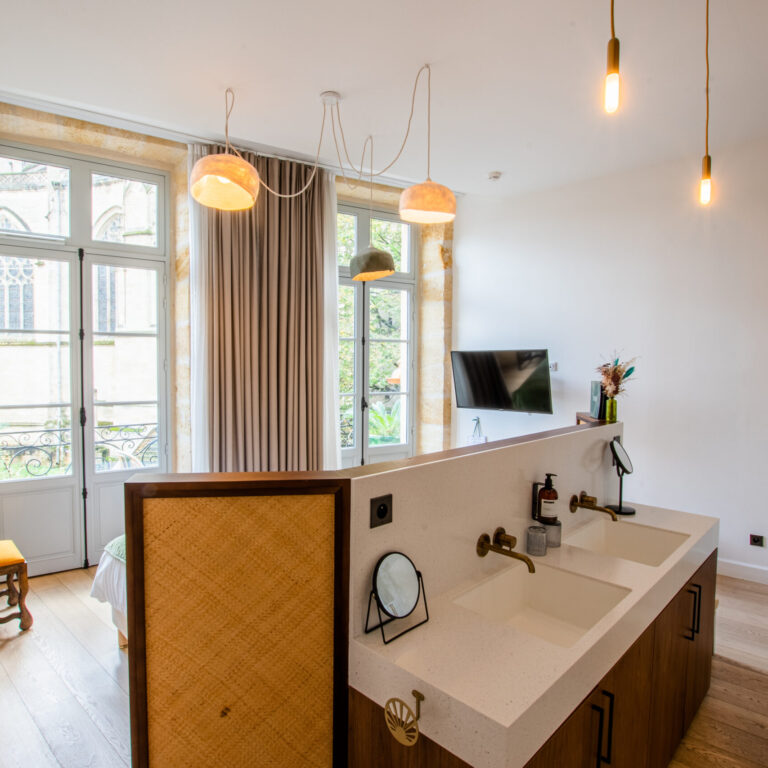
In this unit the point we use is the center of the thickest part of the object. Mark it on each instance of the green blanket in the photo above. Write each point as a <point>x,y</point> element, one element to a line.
<point>116,548</point>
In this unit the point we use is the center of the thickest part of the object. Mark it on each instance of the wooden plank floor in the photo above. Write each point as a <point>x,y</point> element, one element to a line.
<point>64,684</point>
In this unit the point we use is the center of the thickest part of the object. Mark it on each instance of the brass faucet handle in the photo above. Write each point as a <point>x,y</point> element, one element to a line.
<point>585,498</point>
<point>483,545</point>
<point>502,539</point>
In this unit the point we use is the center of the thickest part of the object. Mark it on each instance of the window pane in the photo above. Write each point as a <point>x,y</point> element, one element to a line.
<point>388,366</point>
<point>34,198</point>
<point>125,437</point>
<point>387,420</point>
<point>35,368</point>
<point>393,236</point>
<point>35,442</point>
<point>123,211</point>
<point>346,311</point>
<point>388,313</point>
<point>347,367</point>
<point>124,368</point>
<point>347,411</point>
<point>124,299</point>
<point>34,294</point>
<point>346,237</point>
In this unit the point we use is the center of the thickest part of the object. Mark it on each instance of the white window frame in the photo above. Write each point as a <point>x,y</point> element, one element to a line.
<point>80,236</point>
<point>405,281</point>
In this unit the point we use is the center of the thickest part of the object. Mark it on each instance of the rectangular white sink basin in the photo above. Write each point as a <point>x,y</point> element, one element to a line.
<point>629,541</point>
<point>555,605</point>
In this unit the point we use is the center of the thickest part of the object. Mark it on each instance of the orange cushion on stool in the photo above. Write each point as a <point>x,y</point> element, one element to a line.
<point>9,553</point>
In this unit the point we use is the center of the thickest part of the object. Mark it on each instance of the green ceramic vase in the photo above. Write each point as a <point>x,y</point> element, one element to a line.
<point>610,409</point>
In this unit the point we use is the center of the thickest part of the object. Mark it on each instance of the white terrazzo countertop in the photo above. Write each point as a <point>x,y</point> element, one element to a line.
<point>494,693</point>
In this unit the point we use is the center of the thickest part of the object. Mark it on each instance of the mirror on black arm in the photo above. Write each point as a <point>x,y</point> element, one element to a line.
<point>623,467</point>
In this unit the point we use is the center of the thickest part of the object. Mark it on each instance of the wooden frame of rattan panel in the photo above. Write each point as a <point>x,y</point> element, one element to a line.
<point>217,485</point>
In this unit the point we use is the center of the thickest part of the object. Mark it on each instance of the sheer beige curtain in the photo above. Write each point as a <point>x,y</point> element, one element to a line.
<point>259,294</point>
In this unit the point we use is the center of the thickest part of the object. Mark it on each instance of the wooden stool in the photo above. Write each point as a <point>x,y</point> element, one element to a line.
<point>13,565</point>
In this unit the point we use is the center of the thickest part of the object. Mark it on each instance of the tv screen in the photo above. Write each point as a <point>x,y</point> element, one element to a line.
<point>504,380</point>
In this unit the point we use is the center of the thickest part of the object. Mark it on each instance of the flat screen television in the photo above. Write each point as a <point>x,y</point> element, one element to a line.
<point>503,380</point>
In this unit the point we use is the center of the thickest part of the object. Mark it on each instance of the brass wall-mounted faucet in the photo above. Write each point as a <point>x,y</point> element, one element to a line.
<point>585,501</point>
<point>502,544</point>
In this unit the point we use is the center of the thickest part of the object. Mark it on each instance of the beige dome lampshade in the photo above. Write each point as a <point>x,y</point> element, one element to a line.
<point>371,264</point>
<point>224,181</point>
<point>428,203</point>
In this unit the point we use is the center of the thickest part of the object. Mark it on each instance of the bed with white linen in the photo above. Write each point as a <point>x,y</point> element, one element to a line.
<point>109,584</point>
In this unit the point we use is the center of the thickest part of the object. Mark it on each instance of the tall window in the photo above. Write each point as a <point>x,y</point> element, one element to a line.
<point>84,374</point>
<point>376,340</point>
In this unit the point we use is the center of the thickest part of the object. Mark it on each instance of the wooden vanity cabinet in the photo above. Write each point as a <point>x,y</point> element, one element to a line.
<point>684,644</point>
<point>655,690</point>
<point>634,718</point>
<point>610,725</point>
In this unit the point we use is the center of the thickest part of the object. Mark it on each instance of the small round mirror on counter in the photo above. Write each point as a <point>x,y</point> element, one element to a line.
<point>621,456</point>
<point>396,585</point>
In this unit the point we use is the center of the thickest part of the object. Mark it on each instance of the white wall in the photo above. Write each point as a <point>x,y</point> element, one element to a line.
<point>632,263</point>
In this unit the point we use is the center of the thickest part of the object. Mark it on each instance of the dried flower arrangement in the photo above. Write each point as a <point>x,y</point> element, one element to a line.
<point>614,376</point>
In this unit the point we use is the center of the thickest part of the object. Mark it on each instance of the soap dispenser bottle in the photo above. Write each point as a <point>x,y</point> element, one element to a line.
<point>542,509</point>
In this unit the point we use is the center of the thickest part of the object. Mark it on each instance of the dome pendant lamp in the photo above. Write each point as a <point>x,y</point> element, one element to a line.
<point>428,203</point>
<point>371,263</point>
<point>612,71</point>
<point>705,187</point>
<point>225,181</point>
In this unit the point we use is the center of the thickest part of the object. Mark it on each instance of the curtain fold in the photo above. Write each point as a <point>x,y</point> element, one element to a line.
<point>262,361</point>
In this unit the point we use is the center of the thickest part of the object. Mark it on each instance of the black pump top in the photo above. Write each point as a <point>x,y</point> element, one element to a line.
<point>548,482</point>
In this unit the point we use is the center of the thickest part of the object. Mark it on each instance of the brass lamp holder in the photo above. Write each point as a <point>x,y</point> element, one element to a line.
<point>401,720</point>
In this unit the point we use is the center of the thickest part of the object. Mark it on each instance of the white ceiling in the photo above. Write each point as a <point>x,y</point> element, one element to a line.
<point>517,86</point>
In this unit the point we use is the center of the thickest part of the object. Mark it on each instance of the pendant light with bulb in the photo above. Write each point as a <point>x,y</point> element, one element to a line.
<point>225,180</point>
<point>428,202</point>
<point>705,187</point>
<point>371,263</point>
<point>612,81</point>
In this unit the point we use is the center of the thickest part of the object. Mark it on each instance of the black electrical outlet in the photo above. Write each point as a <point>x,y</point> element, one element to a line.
<point>381,510</point>
<point>756,540</point>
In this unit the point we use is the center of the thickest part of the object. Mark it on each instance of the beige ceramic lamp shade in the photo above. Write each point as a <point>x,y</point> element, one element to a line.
<point>428,203</point>
<point>224,181</point>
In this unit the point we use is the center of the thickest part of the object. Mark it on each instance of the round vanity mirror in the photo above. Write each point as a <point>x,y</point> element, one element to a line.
<point>623,467</point>
<point>622,458</point>
<point>396,585</point>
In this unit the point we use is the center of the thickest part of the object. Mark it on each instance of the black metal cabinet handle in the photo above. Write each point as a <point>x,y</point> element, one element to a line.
<point>600,729</point>
<point>609,751</point>
<point>692,628</point>
<point>697,624</point>
<point>604,758</point>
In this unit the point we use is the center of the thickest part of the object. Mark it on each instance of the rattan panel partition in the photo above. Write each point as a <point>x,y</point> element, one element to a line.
<point>240,628</point>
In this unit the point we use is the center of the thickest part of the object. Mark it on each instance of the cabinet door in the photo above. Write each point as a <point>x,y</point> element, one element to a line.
<point>670,660</point>
<point>624,694</point>
<point>574,744</point>
<point>702,584</point>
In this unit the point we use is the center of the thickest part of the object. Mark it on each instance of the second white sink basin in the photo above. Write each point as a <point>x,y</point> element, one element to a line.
<point>556,605</point>
<point>629,541</point>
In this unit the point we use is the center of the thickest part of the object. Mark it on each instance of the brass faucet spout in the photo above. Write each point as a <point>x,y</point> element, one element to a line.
<point>502,545</point>
<point>584,501</point>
